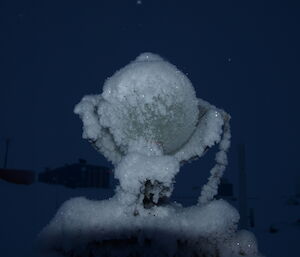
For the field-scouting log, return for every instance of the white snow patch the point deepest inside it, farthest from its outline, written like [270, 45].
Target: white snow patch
[80, 221]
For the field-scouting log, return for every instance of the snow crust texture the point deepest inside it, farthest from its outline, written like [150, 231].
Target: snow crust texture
[171, 228]
[148, 122]
[148, 99]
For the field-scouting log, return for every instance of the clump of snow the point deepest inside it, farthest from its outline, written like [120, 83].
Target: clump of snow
[243, 243]
[135, 169]
[148, 121]
[99, 136]
[148, 57]
[90, 119]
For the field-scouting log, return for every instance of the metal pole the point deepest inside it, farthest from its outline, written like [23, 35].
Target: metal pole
[243, 208]
[7, 142]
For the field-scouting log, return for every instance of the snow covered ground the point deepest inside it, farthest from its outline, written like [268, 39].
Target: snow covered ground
[283, 218]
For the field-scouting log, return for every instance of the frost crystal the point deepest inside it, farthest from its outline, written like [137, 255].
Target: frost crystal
[148, 121]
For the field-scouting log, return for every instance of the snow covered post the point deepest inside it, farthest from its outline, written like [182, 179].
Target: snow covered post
[147, 122]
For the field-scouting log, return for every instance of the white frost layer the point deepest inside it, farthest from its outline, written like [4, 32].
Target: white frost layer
[149, 99]
[99, 136]
[135, 169]
[210, 189]
[207, 133]
[147, 121]
[152, 99]
[80, 221]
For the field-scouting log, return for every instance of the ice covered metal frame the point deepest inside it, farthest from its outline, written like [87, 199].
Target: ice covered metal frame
[148, 122]
[101, 121]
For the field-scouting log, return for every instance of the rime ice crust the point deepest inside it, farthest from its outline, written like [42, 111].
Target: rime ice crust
[148, 121]
[149, 98]
[137, 168]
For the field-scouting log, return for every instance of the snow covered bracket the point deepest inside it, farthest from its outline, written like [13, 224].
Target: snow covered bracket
[147, 122]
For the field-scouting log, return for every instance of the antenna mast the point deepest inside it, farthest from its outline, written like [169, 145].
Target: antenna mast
[243, 208]
[7, 142]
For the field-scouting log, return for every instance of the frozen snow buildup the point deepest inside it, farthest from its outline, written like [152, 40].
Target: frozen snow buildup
[148, 122]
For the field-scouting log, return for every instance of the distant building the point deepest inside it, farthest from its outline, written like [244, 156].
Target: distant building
[25, 177]
[79, 174]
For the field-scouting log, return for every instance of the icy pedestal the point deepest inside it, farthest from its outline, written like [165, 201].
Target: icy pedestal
[90, 228]
[148, 122]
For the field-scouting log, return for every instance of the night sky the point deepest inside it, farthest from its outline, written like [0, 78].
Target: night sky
[242, 56]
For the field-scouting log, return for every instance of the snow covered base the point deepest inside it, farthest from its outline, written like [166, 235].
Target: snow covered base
[107, 228]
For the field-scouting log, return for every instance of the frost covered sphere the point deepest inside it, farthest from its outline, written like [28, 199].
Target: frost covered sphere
[149, 99]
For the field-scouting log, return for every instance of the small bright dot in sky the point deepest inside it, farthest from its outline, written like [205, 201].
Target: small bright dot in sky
[139, 2]
[229, 59]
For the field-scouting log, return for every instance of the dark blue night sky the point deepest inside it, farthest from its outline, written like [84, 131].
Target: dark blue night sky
[242, 56]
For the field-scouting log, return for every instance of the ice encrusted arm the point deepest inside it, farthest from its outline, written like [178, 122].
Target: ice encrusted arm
[87, 110]
[210, 189]
[99, 136]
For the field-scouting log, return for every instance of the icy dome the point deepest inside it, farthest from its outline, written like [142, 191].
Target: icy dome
[149, 93]
[150, 99]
